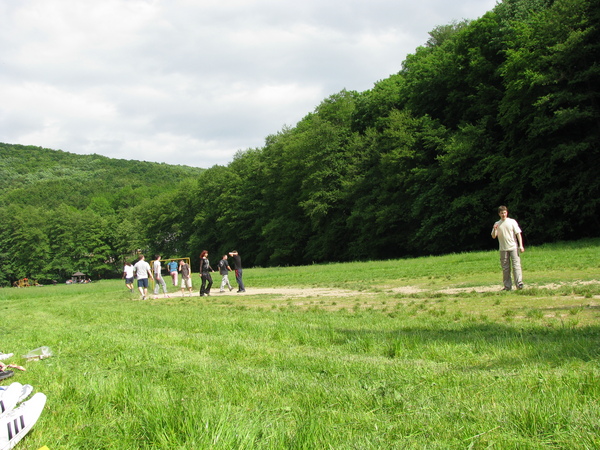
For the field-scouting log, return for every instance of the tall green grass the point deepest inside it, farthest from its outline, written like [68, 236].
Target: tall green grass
[564, 261]
[376, 369]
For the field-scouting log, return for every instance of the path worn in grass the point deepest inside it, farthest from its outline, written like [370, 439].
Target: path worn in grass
[408, 290]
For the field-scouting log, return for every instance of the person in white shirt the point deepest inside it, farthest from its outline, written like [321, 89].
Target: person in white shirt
[511, 244]
[142, 272]
[128, 275]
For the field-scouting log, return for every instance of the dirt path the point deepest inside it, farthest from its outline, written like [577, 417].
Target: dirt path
[481, 289]
[285, 292]
[329, 292]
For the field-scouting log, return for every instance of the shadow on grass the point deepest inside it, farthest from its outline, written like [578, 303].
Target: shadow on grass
[499, 344]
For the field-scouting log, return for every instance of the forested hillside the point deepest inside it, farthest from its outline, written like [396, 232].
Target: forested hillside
[500, 110]
[61, 212]
[43, 177]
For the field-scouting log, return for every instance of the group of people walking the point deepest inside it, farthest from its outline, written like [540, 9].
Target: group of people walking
[143, 272]
[224, 269]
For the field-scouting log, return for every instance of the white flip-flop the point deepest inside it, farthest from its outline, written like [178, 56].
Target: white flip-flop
[17, 423]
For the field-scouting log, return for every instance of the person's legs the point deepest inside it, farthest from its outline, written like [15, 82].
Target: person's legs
[225, 282]
[143, 287]
[163, 284]
[516, 266]
[505, 263]
[238, 278]
[186, 283]
[210, 283]
[202, 286]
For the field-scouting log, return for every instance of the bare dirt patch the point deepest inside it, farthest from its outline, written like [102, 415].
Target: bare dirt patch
[482, 289]
[291, 293]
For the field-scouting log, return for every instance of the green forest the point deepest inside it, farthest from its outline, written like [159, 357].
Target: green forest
[61, 213]
[499, 110]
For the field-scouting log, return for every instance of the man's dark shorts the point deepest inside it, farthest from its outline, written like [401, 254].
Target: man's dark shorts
[143, 282]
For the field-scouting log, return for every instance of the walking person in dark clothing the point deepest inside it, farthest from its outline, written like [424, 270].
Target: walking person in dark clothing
[237, 262]
[224, 271]
[205, 270]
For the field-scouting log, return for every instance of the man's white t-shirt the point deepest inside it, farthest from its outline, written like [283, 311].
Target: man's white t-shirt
[507, 234]
[128, 271]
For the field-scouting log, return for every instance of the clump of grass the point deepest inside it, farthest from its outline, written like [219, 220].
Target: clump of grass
[437, 312]
[509, 313]
[534, 313]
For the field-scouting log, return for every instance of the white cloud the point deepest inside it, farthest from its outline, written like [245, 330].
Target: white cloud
[193, 81]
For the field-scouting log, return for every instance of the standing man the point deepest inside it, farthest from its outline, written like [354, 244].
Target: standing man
[224, 271]
[511, 243]
[158, 279]
[237, 262]
[142, 272]
[186, 277]
[172, 266]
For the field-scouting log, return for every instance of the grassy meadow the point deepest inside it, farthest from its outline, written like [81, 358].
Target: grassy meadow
[422, 353]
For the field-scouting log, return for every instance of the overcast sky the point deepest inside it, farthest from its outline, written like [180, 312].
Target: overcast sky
[193, 81]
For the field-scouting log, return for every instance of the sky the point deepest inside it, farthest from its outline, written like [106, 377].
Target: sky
[192, 82]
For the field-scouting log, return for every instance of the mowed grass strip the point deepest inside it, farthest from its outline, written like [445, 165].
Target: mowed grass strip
[376, 369]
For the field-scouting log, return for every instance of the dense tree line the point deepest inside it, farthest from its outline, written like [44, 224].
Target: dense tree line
[500, 110]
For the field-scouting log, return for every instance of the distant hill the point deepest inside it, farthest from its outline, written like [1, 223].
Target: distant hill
[43, 177]
[61, 213]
